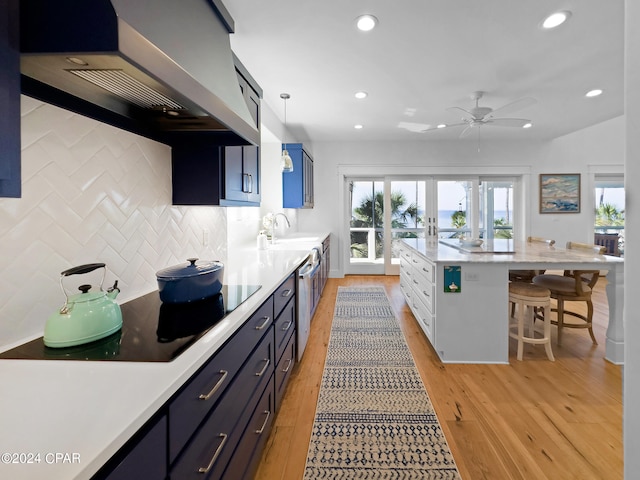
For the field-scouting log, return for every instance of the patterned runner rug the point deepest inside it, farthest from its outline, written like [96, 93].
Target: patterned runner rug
[374, 418]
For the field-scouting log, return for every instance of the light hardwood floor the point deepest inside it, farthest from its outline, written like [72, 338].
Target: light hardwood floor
[533, 419]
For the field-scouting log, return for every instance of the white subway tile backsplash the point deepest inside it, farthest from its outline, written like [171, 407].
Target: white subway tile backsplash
[91, 193]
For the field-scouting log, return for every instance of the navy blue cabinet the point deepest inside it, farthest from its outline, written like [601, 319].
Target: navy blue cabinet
[10, 174]
[297, 186]
[206, 173]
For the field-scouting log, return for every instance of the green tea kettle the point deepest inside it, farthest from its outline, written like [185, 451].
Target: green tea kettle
[86, 316]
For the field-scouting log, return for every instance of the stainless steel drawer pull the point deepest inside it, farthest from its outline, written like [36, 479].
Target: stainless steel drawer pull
[287, 292]
[215, 387]
[206, 469]
[284, 329]
[285, 370]
[266, 420]
[264, 369]
[266, 322]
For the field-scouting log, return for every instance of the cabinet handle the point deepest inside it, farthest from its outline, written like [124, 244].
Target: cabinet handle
[216, 454]
[414, 260]
[264, 369]
[266, 420]
[250, 183]
[287, 292]
[285, 370]
[425, 293]
[415, 281]
[284, 329]
[215, 387]
[267, 319]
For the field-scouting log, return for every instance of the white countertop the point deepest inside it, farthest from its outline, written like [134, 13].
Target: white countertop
[523, 254]
[88, 410]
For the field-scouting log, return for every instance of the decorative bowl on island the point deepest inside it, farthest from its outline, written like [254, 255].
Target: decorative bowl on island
[471, 242]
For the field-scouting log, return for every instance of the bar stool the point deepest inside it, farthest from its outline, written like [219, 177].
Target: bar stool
[528, 296]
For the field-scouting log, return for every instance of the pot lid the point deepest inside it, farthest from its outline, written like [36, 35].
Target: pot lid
[192, 268]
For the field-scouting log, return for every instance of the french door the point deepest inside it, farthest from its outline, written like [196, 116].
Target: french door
[384, 209]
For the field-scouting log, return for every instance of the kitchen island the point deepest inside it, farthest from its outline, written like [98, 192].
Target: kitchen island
[459, 294]
[67, 418]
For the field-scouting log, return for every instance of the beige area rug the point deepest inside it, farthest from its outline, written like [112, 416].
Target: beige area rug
[374, 418]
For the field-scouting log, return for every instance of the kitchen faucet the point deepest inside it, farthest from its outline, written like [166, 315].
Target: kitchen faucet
[274, 224]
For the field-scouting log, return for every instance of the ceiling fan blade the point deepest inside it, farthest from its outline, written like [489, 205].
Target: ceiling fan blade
[512, 107]
[430, 128]
[507, 122]
[468, 130]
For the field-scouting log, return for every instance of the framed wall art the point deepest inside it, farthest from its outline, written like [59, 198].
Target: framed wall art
[560, 193]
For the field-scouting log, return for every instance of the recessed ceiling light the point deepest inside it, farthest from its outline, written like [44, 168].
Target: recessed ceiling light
[556, 19]
[358, 127]
[593, 93]
[527, 125]
[361, 95]
[442, 125]
[366, 22]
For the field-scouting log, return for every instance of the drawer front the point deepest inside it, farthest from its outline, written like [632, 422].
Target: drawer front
[425, 318]
[423, 290]
[283, 294]
[405, 255]
[202, 392]
[214, 442]
[284, 369]
[245, 460]
[405, 287]
[423, 267]
[284, 327]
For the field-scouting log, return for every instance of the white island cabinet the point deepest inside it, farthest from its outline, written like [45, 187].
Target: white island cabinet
[459, 296]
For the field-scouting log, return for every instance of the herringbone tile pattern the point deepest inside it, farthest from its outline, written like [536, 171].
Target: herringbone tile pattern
[91, 193]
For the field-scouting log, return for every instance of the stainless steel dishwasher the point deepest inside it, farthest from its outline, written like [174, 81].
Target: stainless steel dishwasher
[307, 273]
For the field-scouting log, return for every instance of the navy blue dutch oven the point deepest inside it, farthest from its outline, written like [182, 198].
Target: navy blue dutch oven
[188, 282]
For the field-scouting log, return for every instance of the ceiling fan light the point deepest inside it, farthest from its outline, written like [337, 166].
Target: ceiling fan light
[366, 22]
[555, 19]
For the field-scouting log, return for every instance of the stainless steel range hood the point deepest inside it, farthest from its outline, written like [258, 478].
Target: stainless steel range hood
[164, 64]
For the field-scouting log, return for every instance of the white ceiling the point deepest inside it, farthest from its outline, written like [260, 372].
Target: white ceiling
[427, 55]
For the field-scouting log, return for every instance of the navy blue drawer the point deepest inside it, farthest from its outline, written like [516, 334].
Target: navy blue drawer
[247, 455]
[284, 327]
[283, 294]
[201, 393]
[214, 442]
[284, 369]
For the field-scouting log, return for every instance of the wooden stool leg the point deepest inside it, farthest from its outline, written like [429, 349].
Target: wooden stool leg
[547, 332]
[560, 312]
[590, 319]
[520, 318]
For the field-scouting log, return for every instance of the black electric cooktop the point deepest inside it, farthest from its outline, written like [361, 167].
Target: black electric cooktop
[152, 331]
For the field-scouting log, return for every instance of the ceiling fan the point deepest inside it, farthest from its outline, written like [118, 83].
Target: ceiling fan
[486, 116]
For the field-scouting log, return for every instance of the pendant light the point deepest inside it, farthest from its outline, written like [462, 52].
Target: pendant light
[285, 160]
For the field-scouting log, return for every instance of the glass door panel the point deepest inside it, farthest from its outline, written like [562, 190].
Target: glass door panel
[366, 226]
[454, 207]
[496, 209]
[609, 214]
